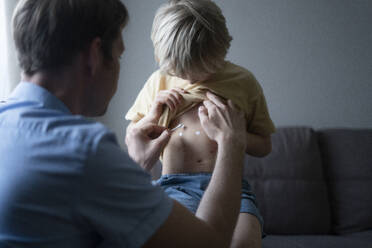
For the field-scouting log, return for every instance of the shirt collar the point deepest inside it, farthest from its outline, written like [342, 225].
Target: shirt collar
[26, 91]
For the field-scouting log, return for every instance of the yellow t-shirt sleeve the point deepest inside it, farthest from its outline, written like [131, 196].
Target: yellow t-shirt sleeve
[143, 101]
[260, 122]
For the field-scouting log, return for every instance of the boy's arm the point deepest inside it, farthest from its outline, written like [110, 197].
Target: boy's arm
[258, 145]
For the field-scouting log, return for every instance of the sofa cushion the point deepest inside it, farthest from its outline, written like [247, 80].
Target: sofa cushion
[289, 184]
[365, 236]
[318, 241]
[347, 156]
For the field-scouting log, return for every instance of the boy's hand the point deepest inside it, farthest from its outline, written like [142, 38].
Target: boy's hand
[222, 121]
[171, 98]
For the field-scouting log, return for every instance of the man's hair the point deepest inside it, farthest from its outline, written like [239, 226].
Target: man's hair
[49, 34]
[190, 38]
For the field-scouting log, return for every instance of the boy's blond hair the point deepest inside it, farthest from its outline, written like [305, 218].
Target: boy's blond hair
[190, 38]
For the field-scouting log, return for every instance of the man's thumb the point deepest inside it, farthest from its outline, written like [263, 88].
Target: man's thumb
[163, 139]
[203, 114]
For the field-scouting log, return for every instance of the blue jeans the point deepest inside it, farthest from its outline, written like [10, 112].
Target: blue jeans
[188, 189]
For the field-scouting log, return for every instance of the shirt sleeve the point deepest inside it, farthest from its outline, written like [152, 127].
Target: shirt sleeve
[144, 100]
[117, 198]
[261, 122]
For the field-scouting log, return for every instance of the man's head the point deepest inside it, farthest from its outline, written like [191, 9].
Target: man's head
[49, 34]
[190, 38]
[79, 38]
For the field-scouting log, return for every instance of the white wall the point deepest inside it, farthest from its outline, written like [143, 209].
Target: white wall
[9, 69]
[313, 58]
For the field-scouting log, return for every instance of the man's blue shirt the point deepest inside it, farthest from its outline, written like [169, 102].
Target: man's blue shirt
[65, 182]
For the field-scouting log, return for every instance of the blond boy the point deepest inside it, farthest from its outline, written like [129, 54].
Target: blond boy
[191, 42]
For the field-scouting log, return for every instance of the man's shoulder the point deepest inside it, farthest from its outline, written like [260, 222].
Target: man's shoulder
[78, 129]
[40, 123]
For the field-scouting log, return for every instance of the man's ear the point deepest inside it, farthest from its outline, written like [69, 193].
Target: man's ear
[94, 55]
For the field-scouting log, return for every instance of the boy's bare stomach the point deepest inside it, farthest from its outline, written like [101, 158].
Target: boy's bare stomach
[189, 149]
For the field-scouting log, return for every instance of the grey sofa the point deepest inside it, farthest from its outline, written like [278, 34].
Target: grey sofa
[315, 188]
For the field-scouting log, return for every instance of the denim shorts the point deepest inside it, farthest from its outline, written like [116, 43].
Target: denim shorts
[188, 190]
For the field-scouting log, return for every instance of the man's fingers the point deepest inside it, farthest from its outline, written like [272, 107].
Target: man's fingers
[151, 128]
[162, 140]
[232, 105]
[235, 108]
[203, 114]
[143, 127]
[211, 107]
[156, 131]
[216, 99]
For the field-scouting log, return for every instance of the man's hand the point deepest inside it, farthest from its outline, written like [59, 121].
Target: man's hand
[145, 141]
[222, 121]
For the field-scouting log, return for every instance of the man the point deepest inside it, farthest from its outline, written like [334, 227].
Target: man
[64, 181]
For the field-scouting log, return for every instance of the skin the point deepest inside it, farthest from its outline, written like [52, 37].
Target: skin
[181, 155]
[86, 87]
[88, 96]
[202, 157]
[215, 219]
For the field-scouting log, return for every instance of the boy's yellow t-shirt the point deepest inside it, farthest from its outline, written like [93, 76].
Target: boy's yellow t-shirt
[231, 82]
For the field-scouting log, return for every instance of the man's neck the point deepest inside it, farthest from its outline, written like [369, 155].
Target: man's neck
[65, 85]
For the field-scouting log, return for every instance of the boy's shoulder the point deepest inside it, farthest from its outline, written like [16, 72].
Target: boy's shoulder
[230, 69]
[162, 81]
[154, 77]
[237, 75]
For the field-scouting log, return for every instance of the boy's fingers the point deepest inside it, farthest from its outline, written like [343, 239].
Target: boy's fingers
[170, 105]
[179, 89]
[173, 101]
[177, 96]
